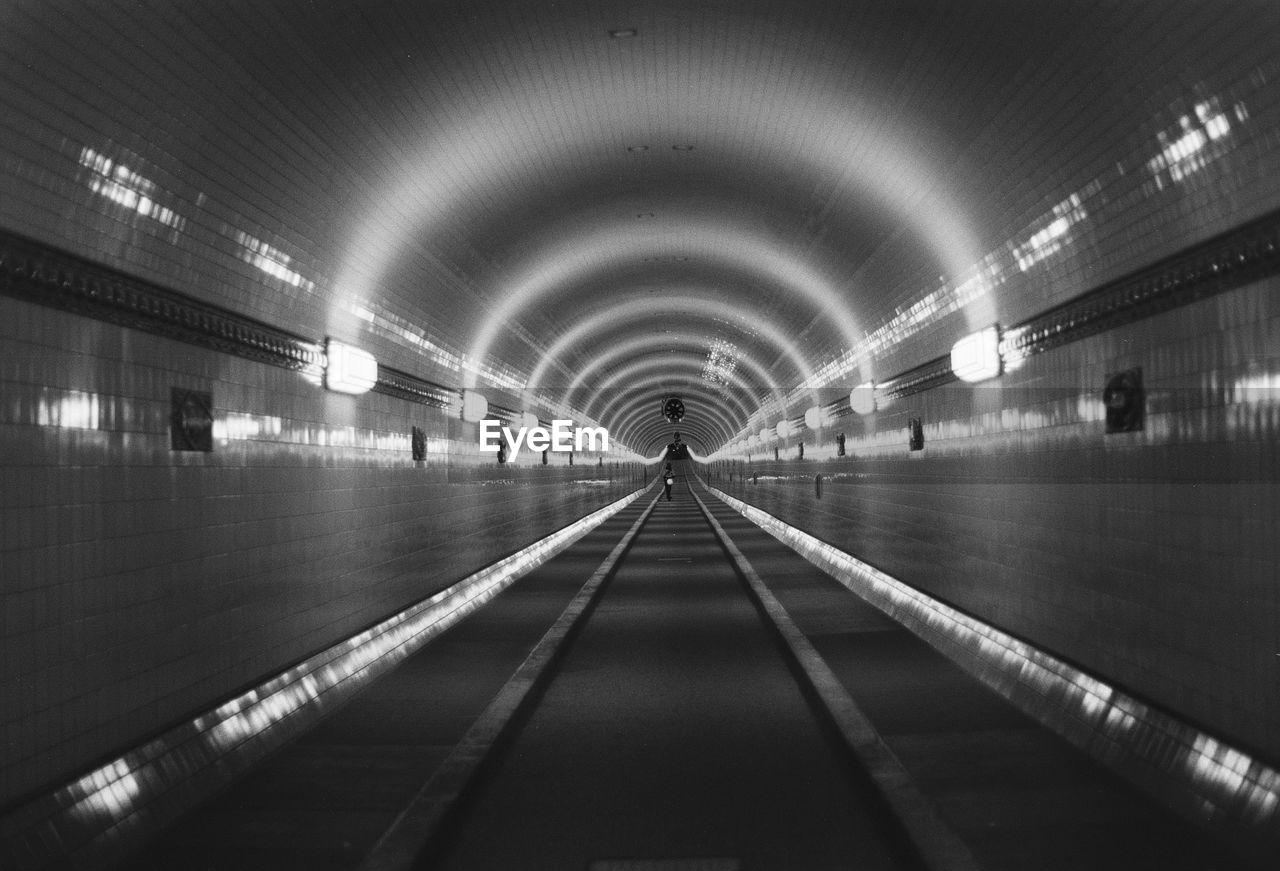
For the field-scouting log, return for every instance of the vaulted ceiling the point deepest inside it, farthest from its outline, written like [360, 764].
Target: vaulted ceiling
[599, 202]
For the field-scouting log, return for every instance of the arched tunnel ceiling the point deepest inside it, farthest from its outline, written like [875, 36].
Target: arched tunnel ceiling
[539, 188]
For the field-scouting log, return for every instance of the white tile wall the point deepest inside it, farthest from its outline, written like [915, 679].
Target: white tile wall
[141, 584]
[1150, 558]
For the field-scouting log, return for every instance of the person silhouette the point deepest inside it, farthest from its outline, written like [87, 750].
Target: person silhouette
[668, 479]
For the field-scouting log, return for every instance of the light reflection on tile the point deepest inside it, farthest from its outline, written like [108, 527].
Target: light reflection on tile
[1199, 138]
[74, 409]
[272, 261]
[1195, 144]
[120, 184]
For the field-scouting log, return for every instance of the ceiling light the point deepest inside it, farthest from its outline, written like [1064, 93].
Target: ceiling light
[643, 215]
[623, 32]
[682, 148]
[637, 148]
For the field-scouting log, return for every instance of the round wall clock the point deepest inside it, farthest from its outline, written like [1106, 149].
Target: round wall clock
[673, 409]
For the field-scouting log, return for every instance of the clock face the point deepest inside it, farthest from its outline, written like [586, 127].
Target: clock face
[673, 409]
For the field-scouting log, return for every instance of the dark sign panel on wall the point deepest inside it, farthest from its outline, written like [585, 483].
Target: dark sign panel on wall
[191, 420]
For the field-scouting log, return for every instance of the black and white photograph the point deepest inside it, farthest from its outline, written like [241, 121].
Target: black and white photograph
[601, 435]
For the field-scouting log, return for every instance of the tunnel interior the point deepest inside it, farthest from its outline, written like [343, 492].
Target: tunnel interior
[981, 293]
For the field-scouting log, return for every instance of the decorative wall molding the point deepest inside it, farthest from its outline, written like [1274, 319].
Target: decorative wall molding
[38, 273]
[1246, 254]
[35, 272]
[402, 385]
[926, 376]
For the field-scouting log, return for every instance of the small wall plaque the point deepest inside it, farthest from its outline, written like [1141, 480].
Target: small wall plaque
[190, 420]
[915, 434]
[1125, 400]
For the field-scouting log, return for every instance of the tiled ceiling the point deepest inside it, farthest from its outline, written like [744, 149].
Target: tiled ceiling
[508, 179]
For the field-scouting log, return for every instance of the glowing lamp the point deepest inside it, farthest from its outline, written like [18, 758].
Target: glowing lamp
[349, 369]
[765, 435]
[814, 418]
[784, 429]
[862, 399]
[976, 357]
[474, 406]
[529, 420]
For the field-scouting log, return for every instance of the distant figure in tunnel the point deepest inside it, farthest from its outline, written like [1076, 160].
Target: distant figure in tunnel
[668, 478]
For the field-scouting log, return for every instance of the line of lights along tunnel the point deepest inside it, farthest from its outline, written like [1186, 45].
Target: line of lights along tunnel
[976, 357]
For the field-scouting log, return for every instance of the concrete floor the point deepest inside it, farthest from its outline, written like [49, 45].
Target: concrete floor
[674, 728]
[1019, 796]
[324, 801]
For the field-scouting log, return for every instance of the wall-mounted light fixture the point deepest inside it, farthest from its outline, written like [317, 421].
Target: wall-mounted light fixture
[348, 369]
[474, 406]
[976, 357]
[862, 399]
[816, 417]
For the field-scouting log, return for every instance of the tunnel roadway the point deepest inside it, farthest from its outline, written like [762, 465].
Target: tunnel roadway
[669, 725]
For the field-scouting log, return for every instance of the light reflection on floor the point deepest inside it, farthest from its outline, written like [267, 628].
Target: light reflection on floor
[118, 800]
[1228, 783]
